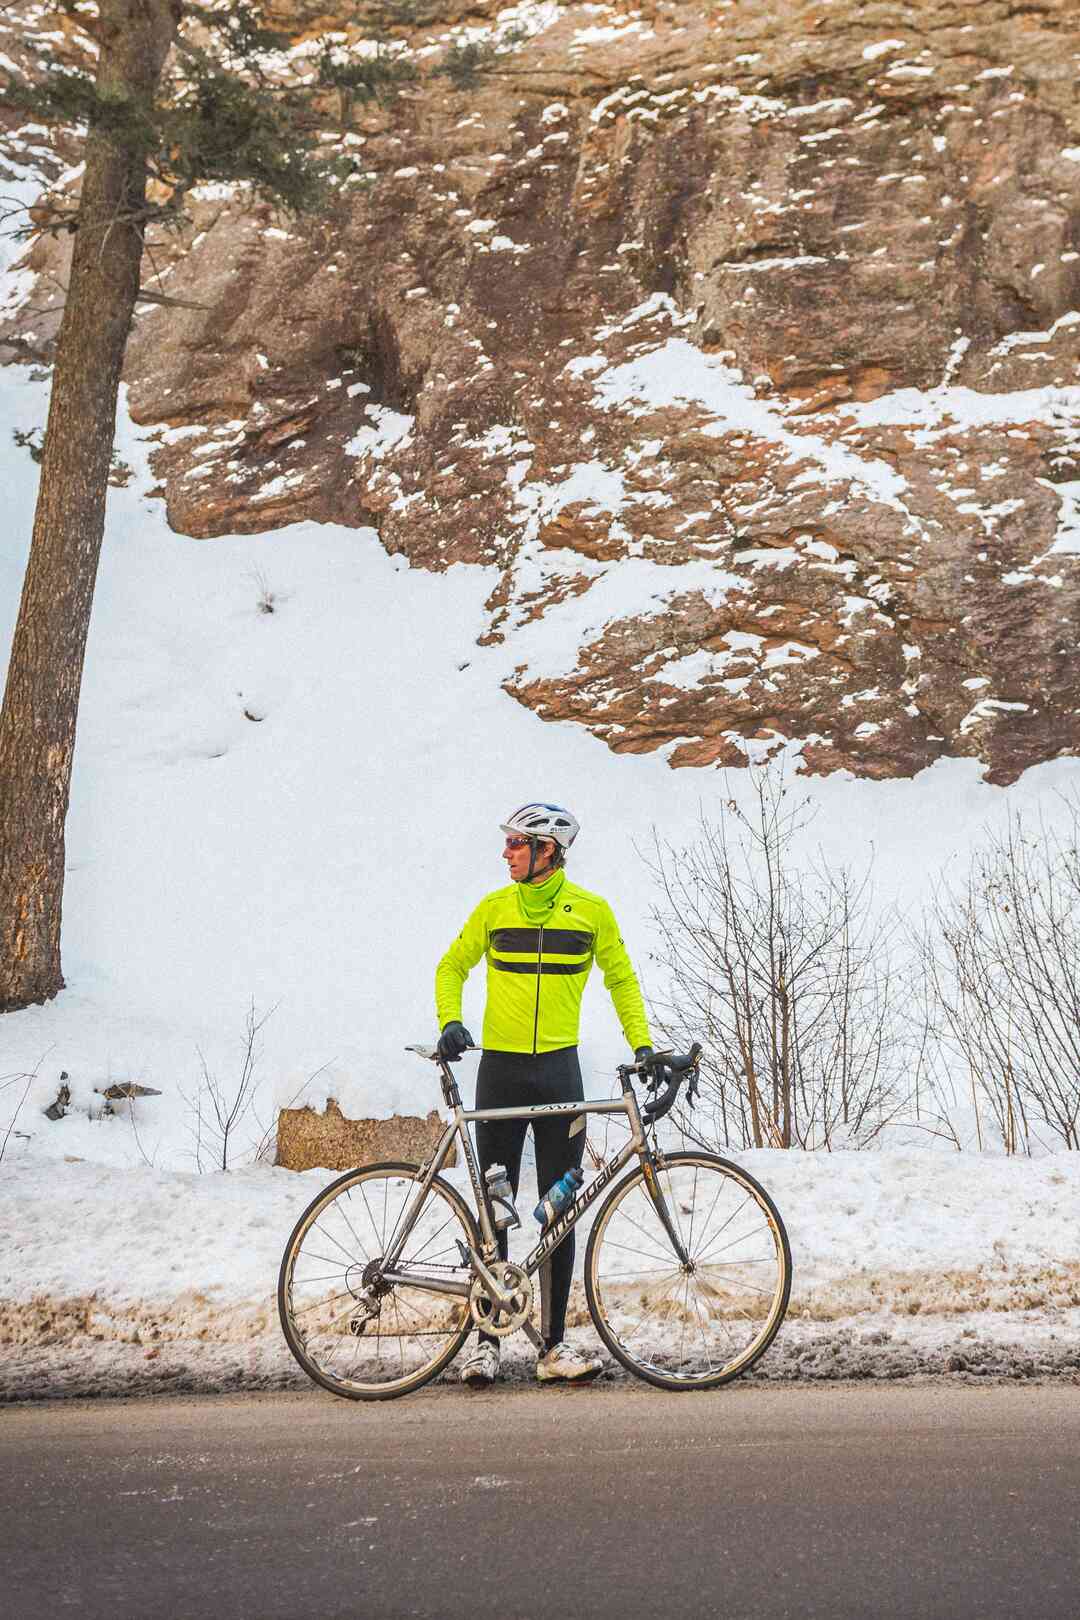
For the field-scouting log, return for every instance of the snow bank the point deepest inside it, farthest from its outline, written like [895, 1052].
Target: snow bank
[902, 1261]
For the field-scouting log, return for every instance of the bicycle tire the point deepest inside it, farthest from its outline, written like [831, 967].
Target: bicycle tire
[605, 1295]
[295, 1337]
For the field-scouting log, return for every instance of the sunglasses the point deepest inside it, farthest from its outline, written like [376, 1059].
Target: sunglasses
[517, 843]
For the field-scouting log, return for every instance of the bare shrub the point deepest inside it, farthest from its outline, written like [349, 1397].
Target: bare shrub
[1001, 951]
[27, 1078]
[150, 1160]
[786, 976]
[266, 601]
[218, 1108]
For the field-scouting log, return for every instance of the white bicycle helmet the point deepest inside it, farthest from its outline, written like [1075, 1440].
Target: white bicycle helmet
[543, 821]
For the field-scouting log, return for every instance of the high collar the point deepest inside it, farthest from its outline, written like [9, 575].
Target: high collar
[538, 899]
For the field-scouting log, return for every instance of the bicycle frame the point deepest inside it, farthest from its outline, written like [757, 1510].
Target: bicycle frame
[457, 1130]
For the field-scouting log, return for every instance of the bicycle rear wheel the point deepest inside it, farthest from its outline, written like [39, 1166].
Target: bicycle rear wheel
[351, 1332]
[698, 1325]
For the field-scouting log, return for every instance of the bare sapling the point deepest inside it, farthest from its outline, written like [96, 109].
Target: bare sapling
[218, 1108]
[785, 971]
[1001, 951]
[25, 1078]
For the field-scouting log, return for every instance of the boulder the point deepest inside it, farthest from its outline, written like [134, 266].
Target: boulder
[308, 1140]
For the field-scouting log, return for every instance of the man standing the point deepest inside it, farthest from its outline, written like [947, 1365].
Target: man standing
[540, 935]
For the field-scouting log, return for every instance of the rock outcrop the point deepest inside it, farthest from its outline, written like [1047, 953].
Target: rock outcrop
[308, 1140]
[742, 342]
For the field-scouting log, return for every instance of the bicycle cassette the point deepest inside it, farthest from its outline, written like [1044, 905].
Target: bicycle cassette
[496, 1319]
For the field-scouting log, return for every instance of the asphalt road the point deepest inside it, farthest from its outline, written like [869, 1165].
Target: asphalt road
[796, 1502]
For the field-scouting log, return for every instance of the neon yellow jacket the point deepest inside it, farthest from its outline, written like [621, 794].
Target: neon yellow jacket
[540, 941]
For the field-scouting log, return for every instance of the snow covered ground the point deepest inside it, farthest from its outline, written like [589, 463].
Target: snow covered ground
[137, 1280]
[291, 766]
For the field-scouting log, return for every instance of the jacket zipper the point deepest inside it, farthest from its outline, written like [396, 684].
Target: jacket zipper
[539, 964]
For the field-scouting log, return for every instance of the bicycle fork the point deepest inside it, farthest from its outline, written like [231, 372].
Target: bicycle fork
[648, 1160]
[659, 1203]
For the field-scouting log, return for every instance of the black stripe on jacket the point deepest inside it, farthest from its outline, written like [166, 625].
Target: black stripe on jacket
[544, 967]
[560, 941]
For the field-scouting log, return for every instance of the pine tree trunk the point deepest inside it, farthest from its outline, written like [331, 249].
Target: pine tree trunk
[41, 700]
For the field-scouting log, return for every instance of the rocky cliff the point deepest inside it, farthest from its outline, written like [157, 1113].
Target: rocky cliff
[742, 340]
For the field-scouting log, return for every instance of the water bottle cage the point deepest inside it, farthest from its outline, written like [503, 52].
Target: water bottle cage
[504, 1213]
[500, 1197]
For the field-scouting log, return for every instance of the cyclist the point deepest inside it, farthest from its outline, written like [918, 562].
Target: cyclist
[540, 935]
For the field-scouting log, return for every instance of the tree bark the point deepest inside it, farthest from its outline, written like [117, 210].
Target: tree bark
[41, 700]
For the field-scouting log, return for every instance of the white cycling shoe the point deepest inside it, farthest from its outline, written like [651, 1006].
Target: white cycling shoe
[482, 1367]
[562, 1363]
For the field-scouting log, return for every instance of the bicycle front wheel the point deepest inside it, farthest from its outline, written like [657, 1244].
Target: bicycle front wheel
[699, 1323]
[353, 1333]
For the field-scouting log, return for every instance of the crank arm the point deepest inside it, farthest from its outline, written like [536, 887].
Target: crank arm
[502, 1296]
[530, 1333]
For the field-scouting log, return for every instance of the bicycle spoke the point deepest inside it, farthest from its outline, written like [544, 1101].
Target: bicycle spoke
[643, 1324]
[639, 1228]
[413, 1335]
[345, 1294]
[682, 1336]
[702, 1259]
[646, 1254]
[754, 1288]
[737, 1210]
[712, 1206]
[645, 1271]
[340, 1317]
[401, 1347]
[349, 1224]
[351, 1258]
[370, 1216]
[693, 1201]
[420, 1252]
[404, 1303]
[701, 1329]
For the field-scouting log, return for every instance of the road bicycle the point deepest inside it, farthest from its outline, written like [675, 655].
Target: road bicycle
[687, 1268]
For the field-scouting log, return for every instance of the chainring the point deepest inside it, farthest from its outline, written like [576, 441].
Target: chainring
[500, 1320]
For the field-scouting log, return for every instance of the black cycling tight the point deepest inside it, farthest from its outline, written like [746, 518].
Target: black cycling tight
[525, 1080]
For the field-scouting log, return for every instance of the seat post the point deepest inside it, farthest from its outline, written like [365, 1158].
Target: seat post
[451, 1094]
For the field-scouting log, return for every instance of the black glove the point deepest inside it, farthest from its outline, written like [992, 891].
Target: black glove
[643, 1054]
[453, 1041]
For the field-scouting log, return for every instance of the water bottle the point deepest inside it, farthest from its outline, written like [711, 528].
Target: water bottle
[556, 1198]
[501, 1198]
